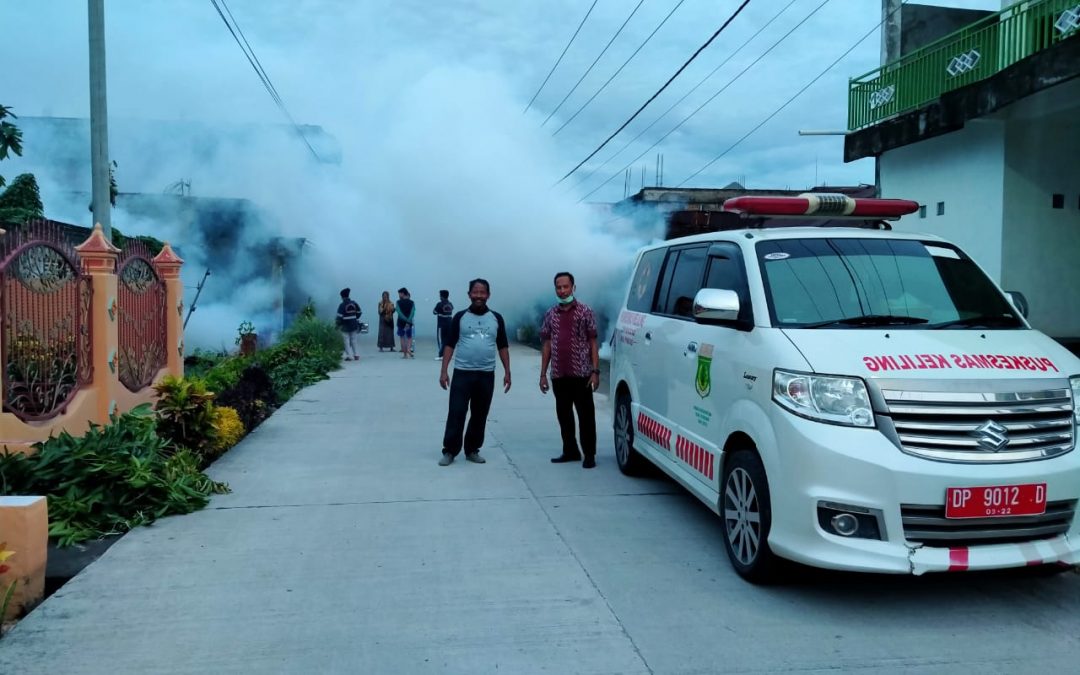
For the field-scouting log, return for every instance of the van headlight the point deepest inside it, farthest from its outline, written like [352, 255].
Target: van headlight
[826, 398]
[1074, 382]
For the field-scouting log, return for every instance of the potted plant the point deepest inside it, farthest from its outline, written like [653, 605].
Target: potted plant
[246, 338]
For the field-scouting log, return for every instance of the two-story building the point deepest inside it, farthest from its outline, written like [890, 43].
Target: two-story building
[982, 127]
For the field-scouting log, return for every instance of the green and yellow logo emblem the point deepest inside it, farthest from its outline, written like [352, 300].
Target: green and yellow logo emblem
[703, 378]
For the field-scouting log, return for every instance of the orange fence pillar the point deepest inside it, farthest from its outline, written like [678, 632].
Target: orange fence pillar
[98, 258]
[24, 539]
[168, 264]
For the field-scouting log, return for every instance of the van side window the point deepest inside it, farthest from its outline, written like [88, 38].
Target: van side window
[677, 292]
[726, 272]
[643, 287]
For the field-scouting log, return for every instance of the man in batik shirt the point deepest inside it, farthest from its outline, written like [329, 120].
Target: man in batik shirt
[569, 347]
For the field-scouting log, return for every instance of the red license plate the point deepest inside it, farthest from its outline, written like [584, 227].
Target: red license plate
[992, 501]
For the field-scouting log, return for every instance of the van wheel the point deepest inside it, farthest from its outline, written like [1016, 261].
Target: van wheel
[630, 462]
[747, 514]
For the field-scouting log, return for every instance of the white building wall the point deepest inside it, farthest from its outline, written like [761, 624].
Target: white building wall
[963, 171]
[1041, 244]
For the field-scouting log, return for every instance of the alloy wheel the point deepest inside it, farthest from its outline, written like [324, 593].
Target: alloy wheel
[742, 516]
[623, 433]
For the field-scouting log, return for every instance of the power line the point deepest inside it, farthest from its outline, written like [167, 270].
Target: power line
[686, 95]
[615, 74]
[593, 64]
[249, 50]
[797, 95]
[658, 91]
[249, 53]
[559, 60]
[722, 89]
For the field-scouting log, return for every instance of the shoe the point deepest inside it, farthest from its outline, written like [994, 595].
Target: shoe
[475, 458]
[438, 358]
[563, 459]
[589, 463]
[446, 460]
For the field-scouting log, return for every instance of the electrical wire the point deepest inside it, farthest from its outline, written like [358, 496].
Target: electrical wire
[262, 74]
[559, 60]
[684, 97]
[658, 91]
[616, 73]
[593, 64]
[797, 94]
[720, 91]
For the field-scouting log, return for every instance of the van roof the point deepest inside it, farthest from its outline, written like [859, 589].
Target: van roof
[769, 234]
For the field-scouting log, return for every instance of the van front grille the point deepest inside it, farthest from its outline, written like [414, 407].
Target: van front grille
[983, 427]
[928, 525]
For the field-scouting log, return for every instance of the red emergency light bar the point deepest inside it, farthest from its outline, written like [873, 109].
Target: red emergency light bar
[821, 204]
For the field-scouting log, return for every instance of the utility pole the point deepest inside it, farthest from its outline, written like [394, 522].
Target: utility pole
[890, 30]
[99, 120]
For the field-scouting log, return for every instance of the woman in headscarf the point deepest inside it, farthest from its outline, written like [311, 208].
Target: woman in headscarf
[386, 322]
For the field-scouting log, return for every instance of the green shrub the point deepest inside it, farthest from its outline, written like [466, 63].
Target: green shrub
[313, 334]
[200, 362]
[116, 477]
[185, 413]
[309, 349]
[252, 397]
[225, 374]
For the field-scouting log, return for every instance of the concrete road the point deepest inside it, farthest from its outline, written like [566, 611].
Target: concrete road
[345, 548]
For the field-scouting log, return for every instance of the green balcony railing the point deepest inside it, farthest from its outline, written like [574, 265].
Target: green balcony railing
[972, 53]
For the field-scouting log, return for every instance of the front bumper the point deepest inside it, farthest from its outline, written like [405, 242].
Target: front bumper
[813, 463]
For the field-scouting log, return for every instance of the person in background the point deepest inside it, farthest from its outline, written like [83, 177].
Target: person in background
[406, 310]
[386, 322]
[475, 337]
[444, 312]
[348, 321]
[568, 345]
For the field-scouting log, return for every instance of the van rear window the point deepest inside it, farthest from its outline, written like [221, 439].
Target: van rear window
[643, 286]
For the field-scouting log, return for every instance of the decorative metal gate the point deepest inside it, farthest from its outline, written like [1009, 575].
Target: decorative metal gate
[141, 317]
[47, 339]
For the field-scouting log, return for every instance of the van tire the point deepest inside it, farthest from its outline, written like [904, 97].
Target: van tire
[746, 511]
[630, 462]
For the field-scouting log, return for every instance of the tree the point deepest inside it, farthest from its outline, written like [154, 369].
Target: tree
[10, 137]
[21, 201]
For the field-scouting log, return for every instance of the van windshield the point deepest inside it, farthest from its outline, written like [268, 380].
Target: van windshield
[870, 283]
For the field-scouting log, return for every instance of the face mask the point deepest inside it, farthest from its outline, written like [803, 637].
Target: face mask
[565, 301]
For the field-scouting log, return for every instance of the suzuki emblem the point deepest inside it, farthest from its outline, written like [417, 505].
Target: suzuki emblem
[991, 436]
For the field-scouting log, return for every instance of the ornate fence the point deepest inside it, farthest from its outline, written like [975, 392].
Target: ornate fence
[46, 322]
[84, 331]
[141, 318]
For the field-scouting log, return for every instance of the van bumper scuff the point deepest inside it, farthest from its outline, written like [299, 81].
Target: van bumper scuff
[1061, 550]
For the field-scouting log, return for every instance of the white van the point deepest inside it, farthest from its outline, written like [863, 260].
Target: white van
[852, 398]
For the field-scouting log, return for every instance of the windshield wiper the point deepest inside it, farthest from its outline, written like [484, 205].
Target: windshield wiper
[869, 320]
[982, 321]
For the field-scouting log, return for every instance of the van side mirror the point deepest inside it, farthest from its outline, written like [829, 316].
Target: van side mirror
[713, 304]
[1019, 302]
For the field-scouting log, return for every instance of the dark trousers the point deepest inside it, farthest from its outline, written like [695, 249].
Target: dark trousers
[470, 392]
[441, 328]
[571, 393]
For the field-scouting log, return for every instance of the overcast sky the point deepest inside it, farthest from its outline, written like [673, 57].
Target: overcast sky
[426, 100]
[337, 62]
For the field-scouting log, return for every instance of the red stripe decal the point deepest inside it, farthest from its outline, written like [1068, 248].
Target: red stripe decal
[958, 559]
